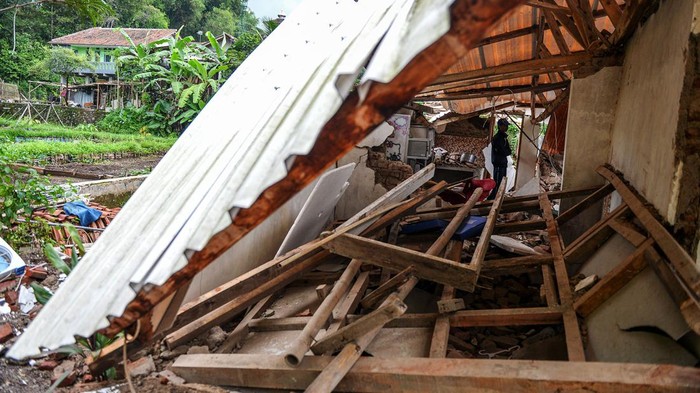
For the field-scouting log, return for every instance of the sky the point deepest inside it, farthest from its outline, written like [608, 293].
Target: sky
[270, 8]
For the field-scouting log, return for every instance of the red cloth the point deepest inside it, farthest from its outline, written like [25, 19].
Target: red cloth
[486, 184]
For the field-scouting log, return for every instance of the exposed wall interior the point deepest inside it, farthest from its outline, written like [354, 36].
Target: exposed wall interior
[590, 119]
[645, 131]
[254, 249]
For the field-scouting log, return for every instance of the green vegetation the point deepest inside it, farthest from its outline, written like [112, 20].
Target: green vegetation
[30, 142]
[174, 95]
[21, 189]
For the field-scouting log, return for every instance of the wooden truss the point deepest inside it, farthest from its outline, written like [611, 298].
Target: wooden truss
[581, 49]
[394, 270]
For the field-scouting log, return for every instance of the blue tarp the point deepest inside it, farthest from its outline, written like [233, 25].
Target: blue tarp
[471, 227]
[87, 215]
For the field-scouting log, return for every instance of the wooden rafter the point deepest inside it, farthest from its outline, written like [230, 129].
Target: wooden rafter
[469, 115]
[613, 10]
[556, 32]
[541, 64]
[546, 64]
[547, 6]
[498, 91]
[552, 106]
[630, 18]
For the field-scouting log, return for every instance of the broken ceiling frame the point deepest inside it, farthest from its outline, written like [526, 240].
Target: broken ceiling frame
[207, 193]
[567, 38]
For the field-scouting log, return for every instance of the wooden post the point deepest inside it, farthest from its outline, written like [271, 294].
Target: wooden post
[297, 349]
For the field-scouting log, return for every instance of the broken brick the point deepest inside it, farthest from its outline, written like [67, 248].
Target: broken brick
[47, 365]
[5, 332]
[37, 272]
[11, 297]
[7, 285]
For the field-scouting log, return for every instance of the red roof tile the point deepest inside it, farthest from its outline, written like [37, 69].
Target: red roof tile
[99, 36]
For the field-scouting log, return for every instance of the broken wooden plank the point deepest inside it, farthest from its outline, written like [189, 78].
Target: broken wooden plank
[574, 343]
[386, 255]
[613, 281]
[517, 262]
[387, 287]
[389, 310]
[689, 307]
[372, 374]
[350, 303]
[484, 238]
[549, 286]
[682, 263]
[396, 194]
[241, 331]
[441, 332]
[463, 212]
[593, 238]
[584, 204]
[250, 290]
[405, 209]
[521, 226]
[278, 324]
[506, 317]
[296, 349]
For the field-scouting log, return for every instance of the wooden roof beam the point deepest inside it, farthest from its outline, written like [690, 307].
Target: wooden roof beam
[552, 106]
[631, 17]
[542, 64]
[527, 31]
[469, 115]
[497, 91]
[613, 10]
[547, 6]
[521, 70]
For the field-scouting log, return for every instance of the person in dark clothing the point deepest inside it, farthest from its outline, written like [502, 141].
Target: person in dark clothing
[500, 150]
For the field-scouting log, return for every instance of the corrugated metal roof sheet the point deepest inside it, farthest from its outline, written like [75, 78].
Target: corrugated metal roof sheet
[233, 151]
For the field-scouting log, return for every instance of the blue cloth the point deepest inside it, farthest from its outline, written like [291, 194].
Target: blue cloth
[87, 215]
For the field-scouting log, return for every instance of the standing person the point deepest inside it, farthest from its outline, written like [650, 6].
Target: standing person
[500, 150]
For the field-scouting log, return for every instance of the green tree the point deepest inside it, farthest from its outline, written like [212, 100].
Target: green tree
[150, 17]
[219, 21]
[244, 45]
[268, 26]
[177, 77]
[96, 10]
[247, 22]
[184, 13]
[64, 62]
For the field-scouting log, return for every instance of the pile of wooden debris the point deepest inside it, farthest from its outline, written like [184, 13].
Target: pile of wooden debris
[373, 305]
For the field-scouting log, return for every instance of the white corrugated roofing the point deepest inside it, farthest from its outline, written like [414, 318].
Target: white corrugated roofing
[271, 109]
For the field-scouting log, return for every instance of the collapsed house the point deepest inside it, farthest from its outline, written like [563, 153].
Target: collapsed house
[226, 228]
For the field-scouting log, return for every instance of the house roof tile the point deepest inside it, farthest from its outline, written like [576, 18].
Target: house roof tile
[99, 36]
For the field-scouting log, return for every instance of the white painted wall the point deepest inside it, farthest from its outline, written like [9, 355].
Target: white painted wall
[646, 121]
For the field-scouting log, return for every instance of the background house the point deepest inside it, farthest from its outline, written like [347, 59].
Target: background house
[97, 45]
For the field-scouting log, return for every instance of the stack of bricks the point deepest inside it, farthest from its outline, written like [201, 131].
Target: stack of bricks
[387, 173]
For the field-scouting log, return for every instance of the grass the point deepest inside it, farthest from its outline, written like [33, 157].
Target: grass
[22, 142]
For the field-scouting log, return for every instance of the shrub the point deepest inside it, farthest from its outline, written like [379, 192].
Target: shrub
[128, 120]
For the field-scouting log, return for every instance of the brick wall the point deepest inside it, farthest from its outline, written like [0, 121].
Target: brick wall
[387, 173]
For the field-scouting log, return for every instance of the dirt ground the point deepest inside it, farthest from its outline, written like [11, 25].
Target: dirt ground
[120, 167]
